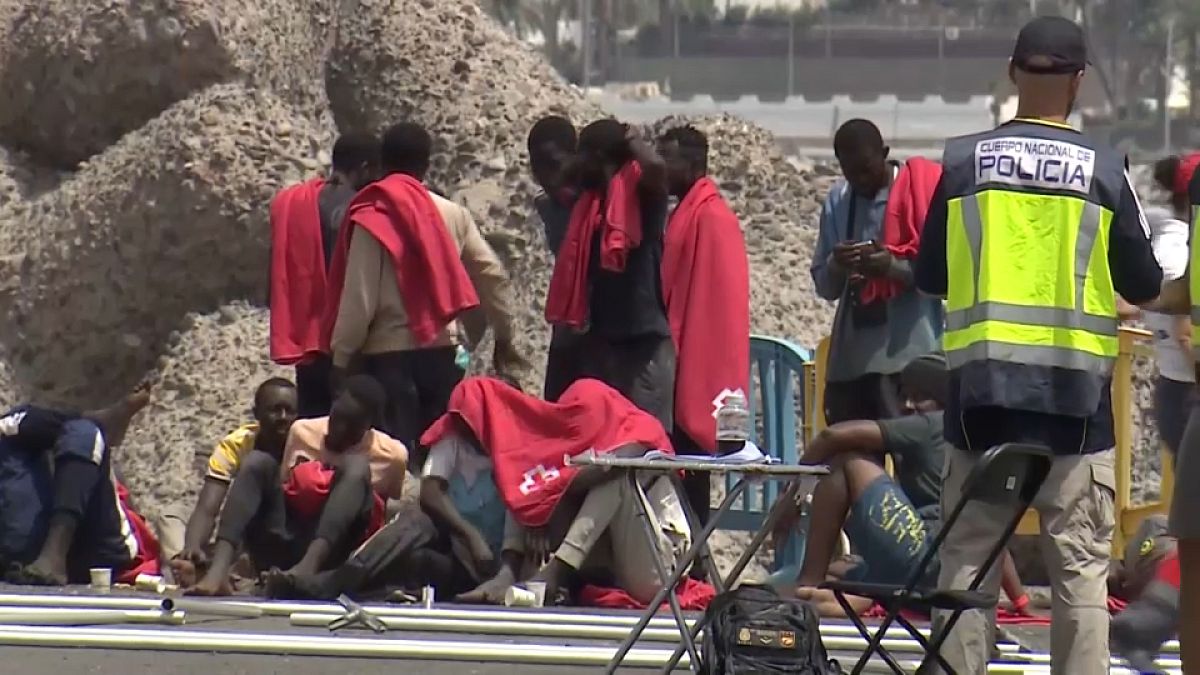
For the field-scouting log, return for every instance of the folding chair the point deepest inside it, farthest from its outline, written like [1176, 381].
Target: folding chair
[1007, 475]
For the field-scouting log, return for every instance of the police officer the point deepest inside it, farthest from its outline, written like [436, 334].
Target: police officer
[1033, 231]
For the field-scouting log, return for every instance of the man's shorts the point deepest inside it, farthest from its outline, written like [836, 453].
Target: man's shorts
[887, 532]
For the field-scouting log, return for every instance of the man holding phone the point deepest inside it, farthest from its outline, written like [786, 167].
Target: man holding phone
[871, 342]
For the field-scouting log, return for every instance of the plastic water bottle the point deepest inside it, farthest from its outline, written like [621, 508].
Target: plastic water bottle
[733, 422]
[462, 358]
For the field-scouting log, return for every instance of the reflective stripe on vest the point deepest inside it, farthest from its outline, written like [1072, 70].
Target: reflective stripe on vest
[1069, 322]
[1194, 278]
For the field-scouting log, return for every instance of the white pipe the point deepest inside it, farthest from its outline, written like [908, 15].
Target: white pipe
[313, 645]
[210, 608]
[26, 616]
[281, 608]
[483, 627]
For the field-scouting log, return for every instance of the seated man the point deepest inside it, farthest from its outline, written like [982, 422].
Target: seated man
[460, 495]
[891, 524]
[286, 509]
[276, 404]
[62, 512]
[1148, 579]
[576, 516]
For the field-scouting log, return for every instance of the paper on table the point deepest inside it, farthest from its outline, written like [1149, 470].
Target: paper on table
[749, 454]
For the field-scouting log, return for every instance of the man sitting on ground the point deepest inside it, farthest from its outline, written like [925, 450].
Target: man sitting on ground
[63, 513]
[290, 513]
[459, 493]
[583, 515]
[275, 408]
[891, 524]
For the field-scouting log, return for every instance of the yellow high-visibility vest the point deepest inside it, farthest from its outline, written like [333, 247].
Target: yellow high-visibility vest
[1031, 312]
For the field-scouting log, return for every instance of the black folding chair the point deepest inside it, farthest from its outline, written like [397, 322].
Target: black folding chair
[1007, 475]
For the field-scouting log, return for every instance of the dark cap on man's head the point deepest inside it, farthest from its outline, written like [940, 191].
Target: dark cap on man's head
[1051, 45]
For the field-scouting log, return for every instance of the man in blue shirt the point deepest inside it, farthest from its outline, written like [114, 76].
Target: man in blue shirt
[871, 342]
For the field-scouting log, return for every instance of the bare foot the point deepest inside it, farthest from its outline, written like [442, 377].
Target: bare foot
[114, 420]
[184, 571]
[210, 588]
[37, 573]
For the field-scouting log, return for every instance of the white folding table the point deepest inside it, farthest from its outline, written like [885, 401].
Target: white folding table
[748, 473]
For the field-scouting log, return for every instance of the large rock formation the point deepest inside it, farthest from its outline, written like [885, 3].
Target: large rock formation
[170, 219]
[77, 76]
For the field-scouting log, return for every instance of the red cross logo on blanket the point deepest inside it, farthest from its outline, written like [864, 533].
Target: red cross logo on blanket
[536, 478]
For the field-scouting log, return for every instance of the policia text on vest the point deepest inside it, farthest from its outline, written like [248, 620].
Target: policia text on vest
[1031, 235]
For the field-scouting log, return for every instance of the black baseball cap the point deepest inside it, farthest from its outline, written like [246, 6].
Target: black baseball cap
[1051, 45]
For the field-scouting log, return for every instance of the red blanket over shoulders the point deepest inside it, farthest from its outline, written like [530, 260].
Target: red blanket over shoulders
[297, 273]
[620, 226]
[527, 438]
[706, 288]
[399, 211]
[904, 218]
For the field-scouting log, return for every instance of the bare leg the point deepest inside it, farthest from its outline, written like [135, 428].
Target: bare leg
[849, 476]
[114, 420]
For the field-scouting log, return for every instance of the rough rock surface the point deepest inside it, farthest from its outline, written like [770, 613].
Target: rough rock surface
[77, 76]
[169, 220]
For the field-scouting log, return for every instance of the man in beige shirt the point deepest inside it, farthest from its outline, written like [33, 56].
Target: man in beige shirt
[263, 508]
[372, 319]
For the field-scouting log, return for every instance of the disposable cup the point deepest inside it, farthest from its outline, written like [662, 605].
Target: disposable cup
[538, 588]
[516, 596]
[101, 578]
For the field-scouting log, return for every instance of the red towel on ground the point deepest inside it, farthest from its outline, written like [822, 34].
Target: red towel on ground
[307, 489]
[1183, 174]
[620, 228]
[146, 561]
[692, 594]
[706, 288]
[297, 273]
[400, 213]
[527, 438]
[903, 219]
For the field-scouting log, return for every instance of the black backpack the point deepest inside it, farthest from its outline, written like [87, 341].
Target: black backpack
[753, 630]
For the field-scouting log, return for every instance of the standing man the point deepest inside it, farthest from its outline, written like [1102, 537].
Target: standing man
[404, 324]
[552, 144]
[1183, 297]
[304, 228]
[607, 280]
[706, 287]
[872, 339]
[1032, 232]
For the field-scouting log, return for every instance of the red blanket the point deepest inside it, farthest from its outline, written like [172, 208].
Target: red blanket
[903, 219]
[692, 595]
[527, 438]
[400, 213]
[146, 561]
[1185, 171]
[297, 273]
[706, 287]
[620, 226]
[307, 489]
